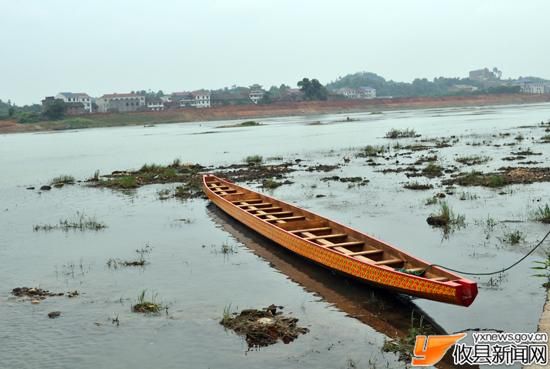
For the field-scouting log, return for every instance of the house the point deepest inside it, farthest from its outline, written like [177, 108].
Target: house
[155, 105]
[195, 99]
[357, 93]
[535, 88]
[366, 92]
[121, 103]
[77, 103]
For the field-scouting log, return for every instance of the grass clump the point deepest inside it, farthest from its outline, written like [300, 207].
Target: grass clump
[446, 217]
[63, 179]
[400, 133]
[543, 270]
[81, 222]
[473, 159]
[145, 306]
[404, 346]
[542, 214]
[545, 139]
[475, 178]
[373, 150]
[417, 186]
[253, 160]
[271, 184]
[432, 170]
[140, 261]
[513, 238]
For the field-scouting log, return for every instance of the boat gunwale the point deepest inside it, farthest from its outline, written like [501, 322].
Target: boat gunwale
[449, 283]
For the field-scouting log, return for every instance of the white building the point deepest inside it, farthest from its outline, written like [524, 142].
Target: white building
[195, 99]
[79, 97]
[538, 88]
[202, 98]
[366, 92]
[359, 93]
[120, 103]
[156, 105]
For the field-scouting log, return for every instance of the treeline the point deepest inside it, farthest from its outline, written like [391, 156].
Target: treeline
[22, 114]
[441, 86]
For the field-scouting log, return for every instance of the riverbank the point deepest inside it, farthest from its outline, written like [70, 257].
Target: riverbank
[264, 111]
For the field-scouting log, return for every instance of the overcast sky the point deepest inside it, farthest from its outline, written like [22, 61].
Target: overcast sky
[105, 46]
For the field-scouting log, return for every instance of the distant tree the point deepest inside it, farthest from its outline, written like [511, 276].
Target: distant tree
[497, 72]
[55, 110]
[313, 90]
[267, 98]
[11, 111]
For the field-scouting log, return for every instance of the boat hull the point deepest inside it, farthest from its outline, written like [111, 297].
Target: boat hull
[459, 291]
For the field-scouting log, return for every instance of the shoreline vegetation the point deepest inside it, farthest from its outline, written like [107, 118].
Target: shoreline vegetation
[263, 111]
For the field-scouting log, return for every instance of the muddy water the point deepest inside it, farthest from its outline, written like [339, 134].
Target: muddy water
[191, 274]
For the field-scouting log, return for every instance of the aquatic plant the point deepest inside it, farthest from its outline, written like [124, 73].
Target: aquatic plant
[472, 159]
[81, 222]
[542, 214]
[63, 179]
[373, 150]
[271, 184]
[446, 218]
[417, 186]
[543, 266]
[432, 170]
[403, 346]
[513, 238]
[253, 160]
[147, 306]
[400, 133]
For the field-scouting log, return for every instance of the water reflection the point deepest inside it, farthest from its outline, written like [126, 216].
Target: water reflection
[386, 312]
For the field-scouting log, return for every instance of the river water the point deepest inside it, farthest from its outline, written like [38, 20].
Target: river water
[190, 274]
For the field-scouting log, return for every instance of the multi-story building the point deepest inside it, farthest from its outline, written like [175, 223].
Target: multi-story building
[121, 103]
[195, 99]
[73, 101]
[534, 88]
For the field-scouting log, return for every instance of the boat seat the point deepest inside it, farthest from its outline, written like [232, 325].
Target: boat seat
[439, 279]
[231, 193]
[253, 204]
[287, 218]
[326, 236]
[311, 229]
[344, 244]
[263, 213]
[366, 252]
[394, 261]
[255, 207]
[249, 201]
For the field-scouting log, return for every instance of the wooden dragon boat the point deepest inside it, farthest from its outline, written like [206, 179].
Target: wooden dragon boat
[338, 247]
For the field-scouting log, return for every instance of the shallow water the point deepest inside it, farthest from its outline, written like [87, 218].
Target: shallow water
[196, 280]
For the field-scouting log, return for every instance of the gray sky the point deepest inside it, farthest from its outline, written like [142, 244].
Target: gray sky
[106, 46]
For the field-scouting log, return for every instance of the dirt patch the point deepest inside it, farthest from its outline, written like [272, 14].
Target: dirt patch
[263, 327]
[38, 294]
[360, 181]
[505, 176]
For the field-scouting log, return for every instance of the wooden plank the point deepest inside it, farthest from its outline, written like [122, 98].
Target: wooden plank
[288, 218]
[366, 252]
[326, 236]
[309, 223]
[311, 229]
[247, 200]
[394, 261]
[439, 279]
[250, 203]
[275, 213]
[344, 244]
